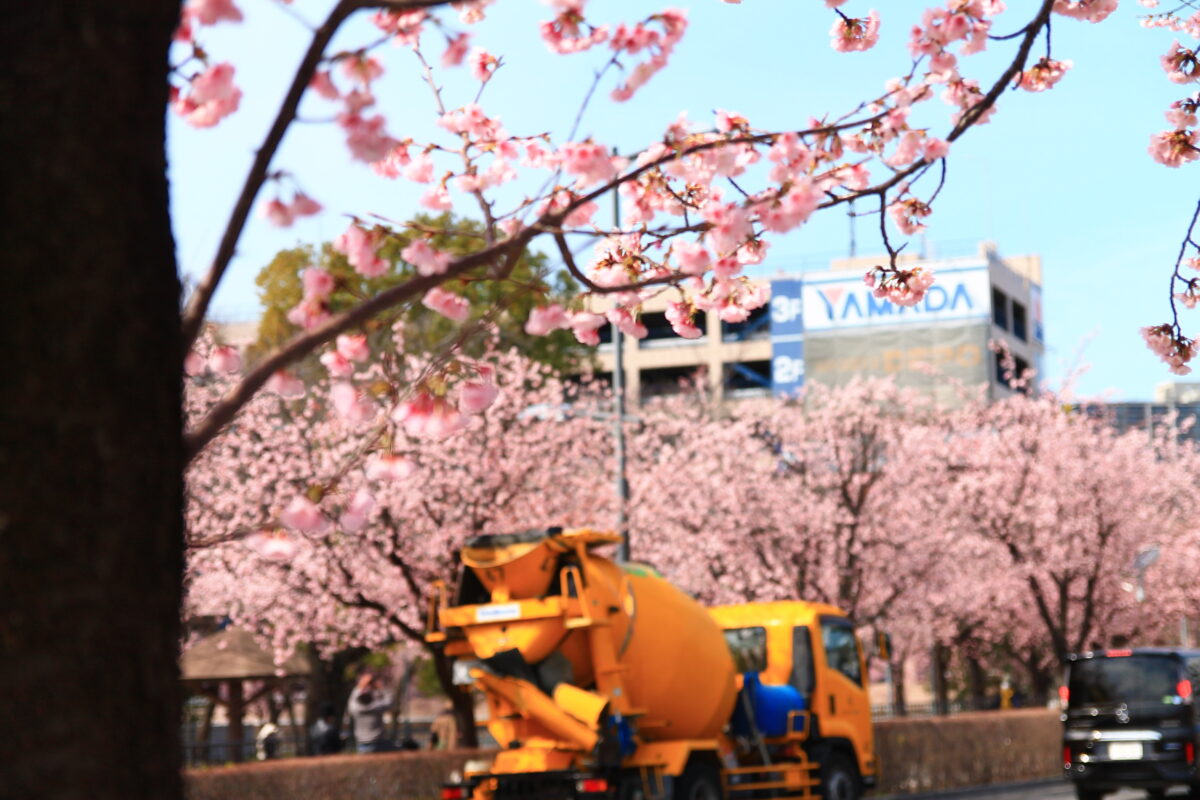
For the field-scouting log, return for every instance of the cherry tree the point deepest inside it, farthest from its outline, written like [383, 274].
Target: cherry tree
[1056, 505]
[296, 535]
[832, 499]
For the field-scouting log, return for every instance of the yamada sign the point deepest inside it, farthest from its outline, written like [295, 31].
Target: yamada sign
[842, 300]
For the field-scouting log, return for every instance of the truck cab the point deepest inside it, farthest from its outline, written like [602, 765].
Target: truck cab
[1129, 720]
[813, 648]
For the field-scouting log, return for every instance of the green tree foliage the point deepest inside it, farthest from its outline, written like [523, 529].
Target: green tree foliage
[531, 283]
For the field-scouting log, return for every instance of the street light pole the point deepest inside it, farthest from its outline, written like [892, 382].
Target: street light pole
[618, 388]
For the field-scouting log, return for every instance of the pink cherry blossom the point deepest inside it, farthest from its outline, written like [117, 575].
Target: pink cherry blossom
[389, 467]
[304, 515]
[211, 98]
[692, 257]
[337, 364]
[1087, 10]
[1175, 350]
[420, 170]
[427, 260]
[431, 417]
[351, 404]
[437, 198]
[309, 313]
[849, 34]
[682, 319]
[210, 12]
[304, 206]
[483, 64]
[360, 246]
[476, 396]
[285, 385]
[456, 50]
[448, 304]
[274, 545]
[194, 364]
[353, 346]
[565, 33]
[626, 322]
[357, 512]
[907, 213]
[586, 327]
[362, 69]
[589, 161]
[366, 138]
[1174, 148]
[934, 148]
[225, 359]
[1043, 75]
[318, 284]
[322, 84]
[544, 319]
[277, 213]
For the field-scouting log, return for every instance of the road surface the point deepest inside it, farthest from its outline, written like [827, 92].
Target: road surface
[1043, 791]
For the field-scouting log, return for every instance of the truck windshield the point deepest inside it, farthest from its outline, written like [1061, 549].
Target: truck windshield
[749, 648]
[1130, 680]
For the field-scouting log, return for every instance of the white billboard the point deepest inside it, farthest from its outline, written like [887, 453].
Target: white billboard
[839, 299]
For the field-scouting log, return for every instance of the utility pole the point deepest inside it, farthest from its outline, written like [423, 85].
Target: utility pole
[618, 388]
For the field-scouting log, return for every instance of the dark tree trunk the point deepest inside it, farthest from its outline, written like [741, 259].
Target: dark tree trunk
[899, 700]
[978, 683]
[941, 691]
[327, 684]
[204, 739]
[460, 698]
[236, 708]
[90, 454]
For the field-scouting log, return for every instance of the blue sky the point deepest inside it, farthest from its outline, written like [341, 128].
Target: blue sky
[1063, 174]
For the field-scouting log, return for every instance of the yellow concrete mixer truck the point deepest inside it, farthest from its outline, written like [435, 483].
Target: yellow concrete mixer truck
[605, 682]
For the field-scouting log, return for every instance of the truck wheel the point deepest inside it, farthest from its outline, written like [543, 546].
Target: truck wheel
[839, 778]
[699, 781]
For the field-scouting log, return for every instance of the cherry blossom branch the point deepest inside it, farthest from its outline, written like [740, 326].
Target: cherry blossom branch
[223, 411]
[1188, 240]
[484, 206]
[201, 298]
[1018, 64]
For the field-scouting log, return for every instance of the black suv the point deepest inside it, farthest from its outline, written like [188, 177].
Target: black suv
[1129, 719]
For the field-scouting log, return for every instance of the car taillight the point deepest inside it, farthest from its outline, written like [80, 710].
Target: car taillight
[1064, 695]
[1184, 689]
[591, 785]
[453, 793]
[1189, 752]
[1066, 755]
[1118, 653]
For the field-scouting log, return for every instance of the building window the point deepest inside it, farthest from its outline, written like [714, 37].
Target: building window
[1003, 377]
[748, 377]
[667, 381]
[999, 308]
[657, 326]
[756, 326]
[1018, 327]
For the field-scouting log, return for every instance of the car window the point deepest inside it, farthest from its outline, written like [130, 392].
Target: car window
[803, 675]
[841, 649]
[749, 648]
[1129, 680]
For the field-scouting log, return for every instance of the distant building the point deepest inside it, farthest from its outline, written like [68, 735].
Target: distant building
[828, 327]
[1176, 408]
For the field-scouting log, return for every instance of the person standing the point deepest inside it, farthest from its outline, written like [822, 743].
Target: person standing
[368, 703]
[443, 734]
[326, 733]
